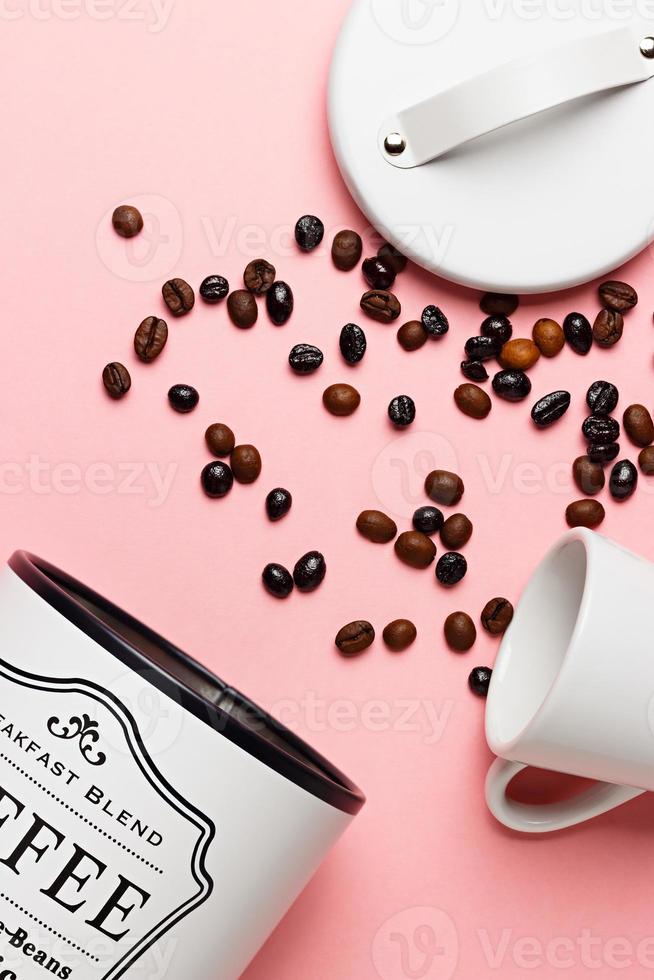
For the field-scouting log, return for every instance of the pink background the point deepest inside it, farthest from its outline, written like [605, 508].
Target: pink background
[215, 125]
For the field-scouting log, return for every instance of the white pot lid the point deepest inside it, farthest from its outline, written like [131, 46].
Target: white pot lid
[507, 145]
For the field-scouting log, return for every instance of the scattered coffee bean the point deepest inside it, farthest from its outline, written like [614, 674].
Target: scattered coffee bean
[602, 453]
[347, 248]
[451, 568]
[392, 257]
[352, 343]
[178, 296]
[623, 480]
[551, 408]
[213, 289]
[278, 504]
[601, 429]
[444, 488]
[381, 305]
[259, 276]
[341, 399]
[474, 371]
[399, 635]
[428, 520]
[496, 616]
[602, 398]
[415, 549]
[479, 681]
[499, 304]
[638, 425]
[497, 327]
[355, 638]
[220, 439]
[277, 580]
[377, 273]
[402, 411]
[578, 332]
[456, 532]
[150, 338]
[127, 221]
[460, 632]
[242, 308]
[309, 571]
[280, 303]
[513, 386]
[608, 328]
[217, 479]
[376, 527]
[246, 463]
[435, 322]
[116, 379]
[520, 354]
[646, 461]
[472, 401]
[309, 232]
[548, 336]
[585, 513]
[412, 335]
[183, 398]
[618, 296]
[305, 358]
[482, 348]
[588, 476]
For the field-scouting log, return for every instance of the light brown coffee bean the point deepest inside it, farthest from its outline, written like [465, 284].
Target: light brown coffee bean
[242, 308]
[549, 337]
[519, 354]
[444, 488]
[589, 476]
[178, 296]
[646, 461]
[585, 513]
[638, 425]
[150, 338]
[460, 632]
[415, 549]
[472, 401]
[496, 616]
[456, 532]
[608, 328]
[399, 635]
[376, 527]
[116, 379]
[381, 305]
[347, 249]
[412, 335]
[127, 221]
[618, 296]
[341, 399]
[355, 638]
[220, 439]
[245, 462]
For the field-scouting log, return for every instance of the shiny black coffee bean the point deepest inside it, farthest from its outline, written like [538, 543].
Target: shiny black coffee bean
[578, 332]
[309, 232]
[217, 479]
[601, 429]
[435, 322]
[214, 289]
[392, 257]
[603, 452]
[183, 398]
[499, 304]
[451, 568]
[428, 520]
[550, 408]
[474, 371]
[309, 571]
[277, 580]
[482, 348]
[623, 480]
[602, 398]
[278, 503]
[513, 386]
[479, 681]
[377, 273]
[352, 343]
[116, 379]
[498, 327]
[402, 411]
[305, 358]
[279, 302]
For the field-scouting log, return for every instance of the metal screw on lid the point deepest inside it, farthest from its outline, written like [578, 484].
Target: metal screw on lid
[394, 144]
[647, 47]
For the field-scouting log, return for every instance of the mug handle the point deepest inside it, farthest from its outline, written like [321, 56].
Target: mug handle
[543, 818]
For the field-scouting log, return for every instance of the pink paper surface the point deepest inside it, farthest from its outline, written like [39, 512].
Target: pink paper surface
[211, 118]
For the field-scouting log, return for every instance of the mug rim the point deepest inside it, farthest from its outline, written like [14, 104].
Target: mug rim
[288, 755]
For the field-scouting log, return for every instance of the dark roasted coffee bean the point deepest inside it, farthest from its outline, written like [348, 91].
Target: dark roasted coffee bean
[513, 386]
[548, 336]
[474, 371]
[402, 411]
[415, 549]
[551, 408]
[309, 571]
[608, 328]
[352, 343]
[499, 304]
[392, 257]
[638, 425]
[116, 379]
[479, 681]
[428, 520]
[381, 305]
[127, 221]
[376, 527]
[412, 335]
[435, 322]
[355, 638]
[399, 635]
[482, 348]
[341, 399]
[519, 354]
[602, 453]
[309, 232]
[183, 398]
[278, 581]
[618, 296]
[601, 429]
[278, 504]
[220, 439]
[497, 327]
[377, 273]
[460, 632]
[585, 513]
[347, 248]
[213, 289]
[588, 476]
[602, 398]
[178, 296]
[472, 401]
[444, 488]
[280, 303]
[496, 616]
[646, 461]
[242, 308]
[451, 568]
[217, 479]
[259, 276]
[623, 480]
[246, 463]
[456, 532]
[305, 358]
[150, 338]
[578, 332]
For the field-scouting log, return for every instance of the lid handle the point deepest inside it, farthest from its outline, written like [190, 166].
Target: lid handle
[515, 90]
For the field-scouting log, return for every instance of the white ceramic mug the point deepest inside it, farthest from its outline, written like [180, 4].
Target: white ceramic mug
[572, 689]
